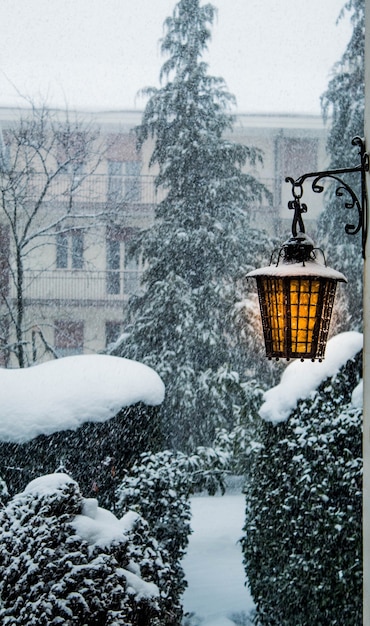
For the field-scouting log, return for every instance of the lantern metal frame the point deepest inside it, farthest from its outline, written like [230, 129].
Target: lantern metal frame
[296, 295]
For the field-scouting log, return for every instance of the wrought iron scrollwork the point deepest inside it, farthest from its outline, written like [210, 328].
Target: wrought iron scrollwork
[354, 201]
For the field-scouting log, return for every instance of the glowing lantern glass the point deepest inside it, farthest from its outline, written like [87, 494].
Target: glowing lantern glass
[296, 299]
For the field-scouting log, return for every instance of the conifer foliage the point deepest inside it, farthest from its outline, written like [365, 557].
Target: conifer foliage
[159, 488]
[3, 491]
[114, 446]
[302, 548]
[63, 560]
[201, 242]
[343, 103]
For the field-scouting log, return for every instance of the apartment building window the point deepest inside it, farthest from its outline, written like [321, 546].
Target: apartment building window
[77, 250]
[113, 330]
[123, 272]
[133, 181]
[68, 337]
[124, 181]
[113, 266]
[62, 250]
[115, 182]
[131, 275]
[124, 165]
[70, 250]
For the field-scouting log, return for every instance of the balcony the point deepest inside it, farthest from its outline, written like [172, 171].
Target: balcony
[93, 189]
[79, 287]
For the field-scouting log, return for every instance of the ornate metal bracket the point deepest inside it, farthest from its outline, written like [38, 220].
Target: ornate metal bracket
[361, 204]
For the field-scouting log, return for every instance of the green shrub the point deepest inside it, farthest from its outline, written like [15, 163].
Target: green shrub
[302, 547]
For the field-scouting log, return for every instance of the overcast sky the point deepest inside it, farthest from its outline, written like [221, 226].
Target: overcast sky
[275, 55]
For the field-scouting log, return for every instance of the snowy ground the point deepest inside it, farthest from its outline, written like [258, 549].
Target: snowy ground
[213, 564]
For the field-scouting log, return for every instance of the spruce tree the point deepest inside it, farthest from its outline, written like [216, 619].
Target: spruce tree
[343, 103]
[201, 243]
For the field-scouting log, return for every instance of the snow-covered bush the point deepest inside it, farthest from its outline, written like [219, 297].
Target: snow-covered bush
[88, 415]
[64, 560]
[302, 547]
[159, 488]
[96, 455]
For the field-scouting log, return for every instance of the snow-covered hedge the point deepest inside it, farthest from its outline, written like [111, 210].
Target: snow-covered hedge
[64, 560]
[90, 416]
[97, 455]
[302, 547]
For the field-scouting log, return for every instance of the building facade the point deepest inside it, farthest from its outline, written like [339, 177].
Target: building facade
[77, 276]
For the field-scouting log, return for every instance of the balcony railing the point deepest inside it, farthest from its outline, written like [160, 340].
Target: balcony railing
[80, 286]
[95, 188]
[117, 189]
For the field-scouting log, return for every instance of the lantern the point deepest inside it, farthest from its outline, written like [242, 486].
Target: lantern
[297, 294]
[296, 299]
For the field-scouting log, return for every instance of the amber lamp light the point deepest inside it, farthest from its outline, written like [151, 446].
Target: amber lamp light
[296, 298]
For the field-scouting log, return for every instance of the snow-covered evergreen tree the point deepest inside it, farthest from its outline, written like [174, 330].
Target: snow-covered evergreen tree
[63, 560]
[241, 443]
[159, 489]
[344, 103]
[201, 243]
[302, 547]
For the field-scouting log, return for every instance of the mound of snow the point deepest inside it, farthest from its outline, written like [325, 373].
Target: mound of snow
[300, 379]
[48, 484]
[67, 392]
